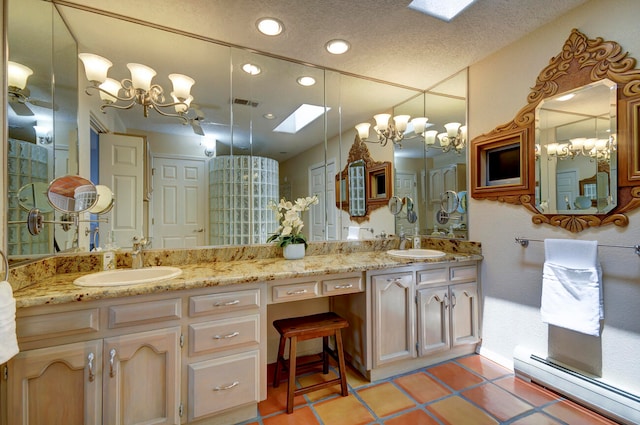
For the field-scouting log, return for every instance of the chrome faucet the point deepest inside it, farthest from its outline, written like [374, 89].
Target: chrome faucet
[137, 253]
[403, 240]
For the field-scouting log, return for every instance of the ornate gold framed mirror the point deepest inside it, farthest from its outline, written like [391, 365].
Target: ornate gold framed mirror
[520, 162]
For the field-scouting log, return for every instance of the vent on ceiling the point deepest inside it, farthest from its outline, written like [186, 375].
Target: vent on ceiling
[246, 102]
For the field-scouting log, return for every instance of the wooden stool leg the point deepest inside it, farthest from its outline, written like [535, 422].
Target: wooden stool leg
[291, 385]
[279, 361]
[341, 364]
[325, 354]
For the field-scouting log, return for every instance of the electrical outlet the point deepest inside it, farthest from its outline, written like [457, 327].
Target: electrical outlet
[109, 261]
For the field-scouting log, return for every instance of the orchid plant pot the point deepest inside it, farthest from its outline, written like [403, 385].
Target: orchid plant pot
[293, 251]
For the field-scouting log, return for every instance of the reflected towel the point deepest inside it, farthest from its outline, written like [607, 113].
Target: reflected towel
[354, 233]
[572, 286]
[8, 339]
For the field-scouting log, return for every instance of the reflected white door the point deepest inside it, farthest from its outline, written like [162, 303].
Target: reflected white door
[567, 189]
[179, 203]
[122, 169]
[323, 215]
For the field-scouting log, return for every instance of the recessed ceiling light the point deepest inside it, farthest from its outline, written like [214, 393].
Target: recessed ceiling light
[337, 47]
[269, 26]
[269, 116]
[251, 69]
[306, 81]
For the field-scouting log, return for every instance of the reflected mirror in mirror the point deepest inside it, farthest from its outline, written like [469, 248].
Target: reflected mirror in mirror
[395, 205]
[576, 151]
[72, 194]
[357, 194]
[424, 171]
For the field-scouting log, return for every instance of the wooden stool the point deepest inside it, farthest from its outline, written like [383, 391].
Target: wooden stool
[307, 327]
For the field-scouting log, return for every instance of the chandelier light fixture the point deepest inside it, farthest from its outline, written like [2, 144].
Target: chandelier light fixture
[139, 90]
[596, 149]
[17, 76]
[454, 138]
[390, 131]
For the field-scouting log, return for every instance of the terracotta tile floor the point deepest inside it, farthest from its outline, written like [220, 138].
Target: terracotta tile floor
[466, 390]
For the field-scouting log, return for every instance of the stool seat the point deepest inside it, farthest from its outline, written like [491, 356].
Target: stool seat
[296, 329]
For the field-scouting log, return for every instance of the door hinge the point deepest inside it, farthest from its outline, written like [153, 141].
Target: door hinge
[181, 409]
[153, 171]
[5, 373]
[415, 299]
[417, 348]
[181, 340]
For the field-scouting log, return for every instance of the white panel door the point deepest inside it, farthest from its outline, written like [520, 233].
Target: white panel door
[179, 203]
[122, 169]
[330, 201]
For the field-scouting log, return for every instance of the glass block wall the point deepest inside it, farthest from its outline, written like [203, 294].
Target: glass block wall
[240, 189]
[26, 163]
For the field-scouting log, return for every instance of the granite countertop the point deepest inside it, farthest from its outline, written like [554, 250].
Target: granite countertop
[59, 288]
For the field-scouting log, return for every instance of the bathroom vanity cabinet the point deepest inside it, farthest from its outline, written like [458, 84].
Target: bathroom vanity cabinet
[198, 356]
[418, 315]
[139, 360]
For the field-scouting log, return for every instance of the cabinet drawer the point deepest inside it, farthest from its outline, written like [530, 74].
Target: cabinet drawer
[224, 302]
[438, 275]
[151, 311]
[295, 291]
[57, 324]
[463, 273]
[220, 384]
[223, 334]
[346, 285]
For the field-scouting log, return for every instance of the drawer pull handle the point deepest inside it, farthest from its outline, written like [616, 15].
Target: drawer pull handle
[92, 372]
[347, 286]
[112, 358]
[226, 303]
[227, 336]
[227, 387]
[297, 292]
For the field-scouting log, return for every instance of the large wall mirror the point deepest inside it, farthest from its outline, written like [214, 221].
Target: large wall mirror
[570, 155]
[42, 116]
[205, 180]
[426, 167]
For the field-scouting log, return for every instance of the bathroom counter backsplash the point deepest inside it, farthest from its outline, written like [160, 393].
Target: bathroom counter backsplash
[50, 280]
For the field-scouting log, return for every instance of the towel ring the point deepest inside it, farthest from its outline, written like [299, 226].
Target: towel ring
[6, 265]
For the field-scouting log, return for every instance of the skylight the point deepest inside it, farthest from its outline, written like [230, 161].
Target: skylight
[441, 9]
[300, 118]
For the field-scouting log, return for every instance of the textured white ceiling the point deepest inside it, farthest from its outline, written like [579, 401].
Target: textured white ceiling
[389, 41]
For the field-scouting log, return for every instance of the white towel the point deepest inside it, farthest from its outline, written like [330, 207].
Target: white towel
[8, 339]
[572, 286]
[354, 233]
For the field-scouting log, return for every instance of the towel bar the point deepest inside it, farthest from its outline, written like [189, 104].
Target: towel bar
[524, 242]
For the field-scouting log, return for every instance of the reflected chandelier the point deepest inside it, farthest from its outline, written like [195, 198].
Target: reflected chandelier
[139, 90]
[455, 138]
[390, 131]
[596, 149]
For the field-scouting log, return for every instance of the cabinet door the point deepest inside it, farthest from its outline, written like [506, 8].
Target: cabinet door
[464, 313]
[433, 320]
[436, 185]
[57, 385]
[142, 378]
[393, 313]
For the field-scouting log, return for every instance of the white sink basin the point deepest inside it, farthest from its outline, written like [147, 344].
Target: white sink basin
[121, 277]
[416, 253]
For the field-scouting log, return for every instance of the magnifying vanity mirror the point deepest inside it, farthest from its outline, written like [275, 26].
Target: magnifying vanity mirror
[575, 143]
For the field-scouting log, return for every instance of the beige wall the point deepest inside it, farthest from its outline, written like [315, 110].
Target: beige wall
[511, 275]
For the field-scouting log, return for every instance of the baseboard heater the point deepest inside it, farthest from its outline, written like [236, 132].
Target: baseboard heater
[608, 400]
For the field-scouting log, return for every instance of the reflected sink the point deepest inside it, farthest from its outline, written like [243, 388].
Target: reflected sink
[122, 277]
[416, 253]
